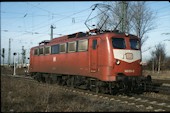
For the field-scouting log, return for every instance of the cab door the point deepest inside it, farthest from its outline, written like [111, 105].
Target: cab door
[93, 55]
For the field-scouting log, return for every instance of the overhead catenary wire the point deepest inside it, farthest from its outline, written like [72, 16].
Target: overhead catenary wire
[44, 9]
[60, 19]
[31, 32]
[47, 25]
[66, 17]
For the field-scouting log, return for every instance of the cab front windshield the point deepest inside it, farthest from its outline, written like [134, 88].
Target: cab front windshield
[118, 43]
[134, 44]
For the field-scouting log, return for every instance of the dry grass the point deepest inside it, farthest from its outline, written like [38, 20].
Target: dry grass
[10, 70]
[21, 95]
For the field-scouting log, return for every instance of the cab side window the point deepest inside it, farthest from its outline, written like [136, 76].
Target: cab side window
[95, 44]
[118, 43]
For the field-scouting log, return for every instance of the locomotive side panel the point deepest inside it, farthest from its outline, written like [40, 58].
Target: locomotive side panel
[69, 63]
[105, 59]
[95, 62]
[34, 61]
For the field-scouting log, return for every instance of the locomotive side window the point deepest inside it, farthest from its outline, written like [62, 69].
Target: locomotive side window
[35, 51]
[55, 49]
[47, 50]
[83, 45]
[118, 43]
[41, 51]
[63, 48]
[71, 46]
[94, 44]
[134, 44]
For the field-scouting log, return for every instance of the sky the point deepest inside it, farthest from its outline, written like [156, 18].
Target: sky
[28, 23]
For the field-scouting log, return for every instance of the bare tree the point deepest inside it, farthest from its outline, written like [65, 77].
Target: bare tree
[3, 54]
[153, 61]
[132, 17]
[158, 57]
[119, 14]
[142, 20]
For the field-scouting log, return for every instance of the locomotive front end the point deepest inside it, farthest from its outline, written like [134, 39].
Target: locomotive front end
[127, 66]
[127, 56]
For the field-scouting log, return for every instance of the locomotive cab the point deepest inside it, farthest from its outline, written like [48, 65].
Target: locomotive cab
[127, 67]
[126, 55]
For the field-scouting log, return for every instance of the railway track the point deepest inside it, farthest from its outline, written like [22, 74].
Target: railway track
[161, 87]
[148, 103]
[138, 101]
[162, 82]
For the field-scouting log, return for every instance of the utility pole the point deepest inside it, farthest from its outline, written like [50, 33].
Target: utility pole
[122, 26]
[52, 27]
[124, 15]
[25, 62]
[9, 53]
[14, 64]
[18, 59]
[3, 54]
[23, 56]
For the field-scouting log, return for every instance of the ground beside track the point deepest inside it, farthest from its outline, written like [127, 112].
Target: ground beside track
[24, 95]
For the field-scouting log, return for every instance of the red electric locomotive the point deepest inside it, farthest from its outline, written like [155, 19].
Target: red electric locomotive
[103, 60]
[107, 60]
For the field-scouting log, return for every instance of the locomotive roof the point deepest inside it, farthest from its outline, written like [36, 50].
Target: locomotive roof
[70, 36]
[79, 35]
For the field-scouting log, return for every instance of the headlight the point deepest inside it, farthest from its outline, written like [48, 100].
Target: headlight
[126, 34]
[117, 61]
[143, 63]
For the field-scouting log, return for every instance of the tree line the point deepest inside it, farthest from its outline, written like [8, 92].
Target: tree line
[159, 61]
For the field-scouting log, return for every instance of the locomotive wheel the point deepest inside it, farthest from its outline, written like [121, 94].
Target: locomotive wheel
[72, 82]
[53, 79]
[42, 79]
[92, 85]
[103, 89]
[38, 77]
[49, 80]
[59, 80]
[122, 87]
[110, 88]
[63, 80]
[97, 86]
[69, 81]
[35, 76]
